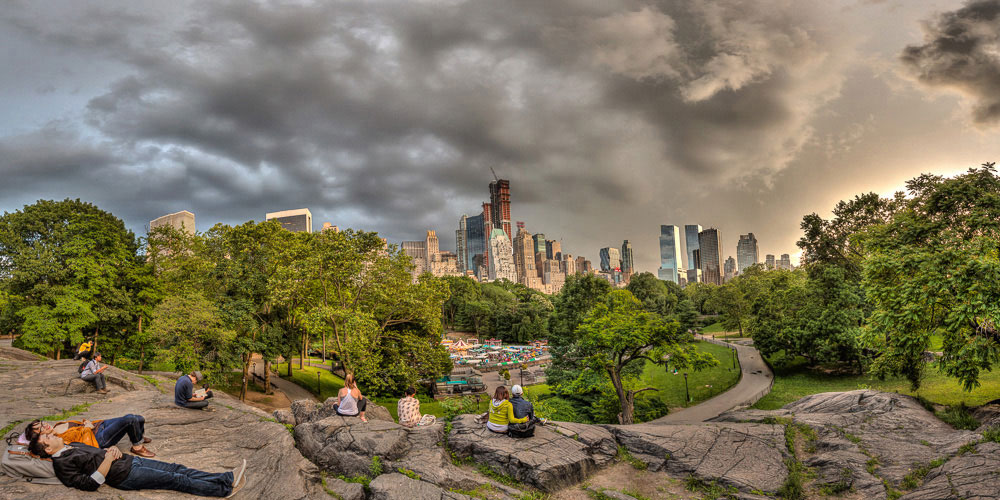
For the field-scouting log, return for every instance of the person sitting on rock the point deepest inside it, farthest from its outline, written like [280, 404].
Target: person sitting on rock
[86, 351]
[94, 372]
[350, 402]
[502, 412]
[185, 395]
[99, 433]
[408, 409]
[86, 468]
[523, 407]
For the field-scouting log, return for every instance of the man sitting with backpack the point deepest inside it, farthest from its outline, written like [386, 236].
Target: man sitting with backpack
[522, 409]
[93, 371]
[99, 434]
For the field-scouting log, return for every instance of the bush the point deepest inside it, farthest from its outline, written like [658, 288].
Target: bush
[959, 417]
[452, 407]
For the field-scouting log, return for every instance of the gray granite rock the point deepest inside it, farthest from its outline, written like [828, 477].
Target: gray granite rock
[399, 487]
[970, 476]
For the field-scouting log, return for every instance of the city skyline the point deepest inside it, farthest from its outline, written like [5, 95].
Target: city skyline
[147, 109]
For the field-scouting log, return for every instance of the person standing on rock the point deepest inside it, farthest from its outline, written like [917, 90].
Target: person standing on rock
[184, 393]
[94, 373]
[502, 412]
[99, 434]
[86, 468]
[350, 402]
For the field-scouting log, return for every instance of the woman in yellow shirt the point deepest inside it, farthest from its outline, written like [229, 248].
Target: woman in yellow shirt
[502, 412]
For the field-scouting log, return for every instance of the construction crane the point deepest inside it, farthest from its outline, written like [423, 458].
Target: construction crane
[494, 174]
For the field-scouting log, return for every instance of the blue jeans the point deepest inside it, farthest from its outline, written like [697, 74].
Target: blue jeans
[149, 474]
[112, 430]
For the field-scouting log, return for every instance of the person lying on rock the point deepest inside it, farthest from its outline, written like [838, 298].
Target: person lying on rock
[408, 409]
[502, 412]
[350, 402]
[94, 372]
[186, 397]
[523, 407]
[98, 433]
[86, 468]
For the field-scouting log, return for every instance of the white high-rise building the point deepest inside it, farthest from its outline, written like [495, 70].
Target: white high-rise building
[746, 252]
[501, 257]
[296, 221]
[181, 221]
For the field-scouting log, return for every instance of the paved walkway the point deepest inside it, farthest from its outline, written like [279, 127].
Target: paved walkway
[754, 384]
[293, 391]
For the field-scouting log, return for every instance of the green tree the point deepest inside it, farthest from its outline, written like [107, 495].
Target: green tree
[578, 296]
[653, 293]
[192, 336]
[934, 267]
[618, 337]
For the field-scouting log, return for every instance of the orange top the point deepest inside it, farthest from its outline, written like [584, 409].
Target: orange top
[79, 433]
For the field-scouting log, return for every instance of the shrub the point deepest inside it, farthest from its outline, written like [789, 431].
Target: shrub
[959, 417]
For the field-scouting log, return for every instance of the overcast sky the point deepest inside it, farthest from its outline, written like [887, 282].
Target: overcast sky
[609, 117]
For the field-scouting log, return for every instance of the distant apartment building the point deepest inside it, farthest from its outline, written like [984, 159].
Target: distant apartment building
[330, 227]
[670, 253]
[710, 255]
[691, 232]
[524, 257]
[461, 248]
[746, 252]
[501, 260]
[729, 269]
[296, 221]
[769, 262]
[611, 259]
[181, 221]
[628, 265]
[581, 264]
[785, 262]
[417, 251]
[539, 239]
[553, 250]
[568, 265]
[692, 276]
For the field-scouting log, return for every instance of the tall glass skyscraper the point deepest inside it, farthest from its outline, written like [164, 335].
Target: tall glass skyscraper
[628, 266]
[475, 240]
[746, 251]
[611, 259]
[670, 253]
[691, 243]
[461, 248]
[710, 252]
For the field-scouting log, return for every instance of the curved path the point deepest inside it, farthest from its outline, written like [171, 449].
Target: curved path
[754, 384]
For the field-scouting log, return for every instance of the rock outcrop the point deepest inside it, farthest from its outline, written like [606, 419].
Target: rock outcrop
[867, 444]
[210, 440]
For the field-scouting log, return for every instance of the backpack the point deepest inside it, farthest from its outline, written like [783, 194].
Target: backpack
[82, 366]
[19, 463]
[522, 430]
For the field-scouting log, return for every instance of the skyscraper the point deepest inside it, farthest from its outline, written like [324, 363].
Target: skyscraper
[181, 221]
[417, 250]
[710, 251]
[553, 249]
[730, 269]
[769, 261]
[539, 243]
[296, 221]
[461, 248]
[627, 263]
[746, 251]
[785, 262]
[475, 242]
[500, 206]
[610, 259]
[670, 253]
[524, 258]
[501, 264]
[691, 232]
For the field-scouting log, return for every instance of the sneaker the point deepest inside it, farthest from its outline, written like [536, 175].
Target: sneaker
[239, 473]
[238, 486]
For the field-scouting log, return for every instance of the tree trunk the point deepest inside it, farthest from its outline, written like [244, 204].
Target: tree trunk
[57, 353]
[93, 347]
[267, 376]
[302, 355]
[323, 349]
[142, 350]
[289, 364]
[626, 417]
[246, 373]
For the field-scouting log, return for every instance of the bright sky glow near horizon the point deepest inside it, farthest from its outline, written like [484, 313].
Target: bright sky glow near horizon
[609, 117]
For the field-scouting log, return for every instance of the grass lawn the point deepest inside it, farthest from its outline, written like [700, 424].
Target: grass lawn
[536, 390]
[795, 382]
[713, 328]
[671, 387]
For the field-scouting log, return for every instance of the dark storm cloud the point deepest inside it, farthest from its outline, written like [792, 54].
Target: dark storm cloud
[388, 115]
[961, 52]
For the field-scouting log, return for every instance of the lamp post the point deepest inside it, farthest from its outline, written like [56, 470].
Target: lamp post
[687, 392]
